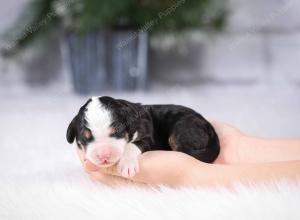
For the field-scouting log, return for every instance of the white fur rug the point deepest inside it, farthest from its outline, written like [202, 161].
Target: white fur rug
[41, 178]
[72, 196]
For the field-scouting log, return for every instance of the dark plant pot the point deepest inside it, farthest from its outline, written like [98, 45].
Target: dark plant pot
[129, 53]
[87, 59]
[107, 60]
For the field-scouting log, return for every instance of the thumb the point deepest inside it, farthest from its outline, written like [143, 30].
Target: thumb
[89, 166]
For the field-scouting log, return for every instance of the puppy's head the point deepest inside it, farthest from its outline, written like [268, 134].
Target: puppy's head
[102, 128]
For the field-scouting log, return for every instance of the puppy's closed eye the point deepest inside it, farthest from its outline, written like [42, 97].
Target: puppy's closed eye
[119, 134]
[87, 134]
[113, 131]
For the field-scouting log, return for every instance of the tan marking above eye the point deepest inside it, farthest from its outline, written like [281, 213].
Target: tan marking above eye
[113, 131]
[87, 134]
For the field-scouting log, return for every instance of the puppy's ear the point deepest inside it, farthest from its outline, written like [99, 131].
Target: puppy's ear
[71, 132]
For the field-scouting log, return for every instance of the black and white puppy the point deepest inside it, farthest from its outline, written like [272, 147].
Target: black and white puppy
[114, 131]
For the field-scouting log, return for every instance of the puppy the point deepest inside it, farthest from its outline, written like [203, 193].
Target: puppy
[114, 131]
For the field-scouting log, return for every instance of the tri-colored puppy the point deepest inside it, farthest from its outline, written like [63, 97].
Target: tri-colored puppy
[114, 131]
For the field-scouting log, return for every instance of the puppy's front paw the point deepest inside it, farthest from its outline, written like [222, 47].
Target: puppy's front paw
[128, 167]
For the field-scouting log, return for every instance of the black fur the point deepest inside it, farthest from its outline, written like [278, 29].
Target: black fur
[159, 127]
[77, 127]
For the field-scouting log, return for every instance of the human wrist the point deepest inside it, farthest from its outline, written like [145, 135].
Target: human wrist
[200, 174]
[250, 149]
[232, 149]
[242, 147]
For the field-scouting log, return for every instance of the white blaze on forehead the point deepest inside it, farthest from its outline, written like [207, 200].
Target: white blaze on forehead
[98, 118]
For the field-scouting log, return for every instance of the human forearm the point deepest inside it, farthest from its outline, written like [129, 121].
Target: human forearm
[176, 170]
[239, 148]
[228, 175]
[260, 150]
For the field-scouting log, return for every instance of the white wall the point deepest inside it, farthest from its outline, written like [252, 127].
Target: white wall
[260, 45]
[263, 42]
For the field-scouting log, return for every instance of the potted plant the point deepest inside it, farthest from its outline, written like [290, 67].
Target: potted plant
[106, 41]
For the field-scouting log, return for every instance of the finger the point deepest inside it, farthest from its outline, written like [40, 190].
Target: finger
[157, 167]
[89, 166]
[112, 170]
[81, 155]
[92, 178]
[100, 177]
[106, 179]
[213, 121]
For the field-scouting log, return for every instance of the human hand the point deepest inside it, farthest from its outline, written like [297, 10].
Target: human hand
[108, 176]
[178, 169]
[231, 140]
[156, 167]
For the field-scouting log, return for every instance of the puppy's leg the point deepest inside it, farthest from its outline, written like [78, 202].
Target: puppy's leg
[196, 138]
[128, 165]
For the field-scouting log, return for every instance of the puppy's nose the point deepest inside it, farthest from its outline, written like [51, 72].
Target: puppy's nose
[104, 156]
[103, 159]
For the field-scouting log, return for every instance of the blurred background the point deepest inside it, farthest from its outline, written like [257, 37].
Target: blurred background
[236, 61]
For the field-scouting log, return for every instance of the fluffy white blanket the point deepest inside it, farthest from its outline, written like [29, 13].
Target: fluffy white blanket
[70, 195]
[41, 178]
